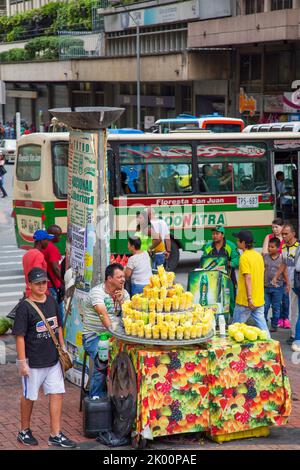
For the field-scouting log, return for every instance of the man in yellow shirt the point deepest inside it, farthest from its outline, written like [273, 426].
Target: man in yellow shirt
[250, 290]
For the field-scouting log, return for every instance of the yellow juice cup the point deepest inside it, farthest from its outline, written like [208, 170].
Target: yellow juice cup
[155, 332]
[133, 329]
[176, 319]
[141, 331]
[175, 303]
[164, 331]
[193, 332]
[182, 319]
[179, 332]
[170, 278]
[152, 318]
[160, 318]
[167, 305]
[163, 293]
[148, 331]
[182, 303]
[198, 330]
[159, 305]
[187, 332]
[152, 305]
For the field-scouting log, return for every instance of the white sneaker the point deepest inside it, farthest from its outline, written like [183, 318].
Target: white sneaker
[296, 346]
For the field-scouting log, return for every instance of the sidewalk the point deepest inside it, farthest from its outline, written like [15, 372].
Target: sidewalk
[282, 438]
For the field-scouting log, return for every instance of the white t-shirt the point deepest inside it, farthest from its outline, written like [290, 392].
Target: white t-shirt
[141, 268]
[160, 226]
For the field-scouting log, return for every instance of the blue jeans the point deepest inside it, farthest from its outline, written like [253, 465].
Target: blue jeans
[137, 288]
[273, 298]
[61, 307]
[242, 313]
[297, 333]
[98, 380]
[159, 260]
[285, 306]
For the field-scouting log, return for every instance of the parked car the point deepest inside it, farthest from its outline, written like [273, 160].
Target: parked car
[8, 148]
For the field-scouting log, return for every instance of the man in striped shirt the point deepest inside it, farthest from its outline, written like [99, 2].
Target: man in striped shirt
[102, 306]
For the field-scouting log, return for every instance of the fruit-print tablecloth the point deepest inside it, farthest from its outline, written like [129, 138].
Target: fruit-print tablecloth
[222, 387]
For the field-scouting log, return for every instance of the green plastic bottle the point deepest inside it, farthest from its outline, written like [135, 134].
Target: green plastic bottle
[103, 346]
[204, 290]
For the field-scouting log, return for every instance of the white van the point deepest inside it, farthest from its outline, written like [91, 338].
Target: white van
[8, 148]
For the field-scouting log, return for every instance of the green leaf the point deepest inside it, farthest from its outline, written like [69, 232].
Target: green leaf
[215, 391]
[196, 378]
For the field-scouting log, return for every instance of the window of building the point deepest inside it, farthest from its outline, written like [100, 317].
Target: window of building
[153, 40]
[254, 6]
[250, 68]
[281, 4]
[232, 167]
[155, 169]
[278, 66]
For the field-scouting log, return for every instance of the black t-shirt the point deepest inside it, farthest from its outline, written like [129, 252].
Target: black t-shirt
[39, 346]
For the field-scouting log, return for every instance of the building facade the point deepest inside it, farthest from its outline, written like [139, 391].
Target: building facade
[238, 58]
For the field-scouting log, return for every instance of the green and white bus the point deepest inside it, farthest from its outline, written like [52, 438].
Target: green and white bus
[193, 181]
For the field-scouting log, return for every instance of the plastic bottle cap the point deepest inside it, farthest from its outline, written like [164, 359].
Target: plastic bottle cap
[104, 336]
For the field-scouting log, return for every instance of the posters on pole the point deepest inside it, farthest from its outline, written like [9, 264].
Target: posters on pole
[82, 206]
[81, 239]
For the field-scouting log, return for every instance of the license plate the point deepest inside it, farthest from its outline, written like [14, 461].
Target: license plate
[247, 202]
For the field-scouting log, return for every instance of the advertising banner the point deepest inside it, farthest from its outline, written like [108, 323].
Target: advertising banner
[211, 288]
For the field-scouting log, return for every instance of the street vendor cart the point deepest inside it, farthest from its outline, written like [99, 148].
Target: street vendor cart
[209, 384]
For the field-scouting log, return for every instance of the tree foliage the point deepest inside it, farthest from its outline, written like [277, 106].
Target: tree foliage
[47, 20]
[44, 48]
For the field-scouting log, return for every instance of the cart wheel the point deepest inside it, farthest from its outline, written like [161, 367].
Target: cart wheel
[138, 442]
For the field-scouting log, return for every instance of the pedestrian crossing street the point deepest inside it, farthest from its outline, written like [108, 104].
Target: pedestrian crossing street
[12, 283]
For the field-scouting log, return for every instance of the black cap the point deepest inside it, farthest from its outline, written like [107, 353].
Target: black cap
[37, 275]
[244, 236]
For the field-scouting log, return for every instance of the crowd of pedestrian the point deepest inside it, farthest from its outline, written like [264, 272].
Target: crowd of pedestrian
[265, 280]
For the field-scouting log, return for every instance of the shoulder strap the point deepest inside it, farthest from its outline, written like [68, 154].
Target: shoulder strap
[36, 308]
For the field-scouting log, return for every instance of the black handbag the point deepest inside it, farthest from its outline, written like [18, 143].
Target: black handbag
[2, 170]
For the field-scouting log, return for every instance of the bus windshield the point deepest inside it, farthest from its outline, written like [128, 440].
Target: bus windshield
[222, 127]
[147, 168]
[60, 169]
[29, 162]
[232, 167]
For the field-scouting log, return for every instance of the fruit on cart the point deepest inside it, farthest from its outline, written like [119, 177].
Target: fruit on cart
[164, 311]
[240, 331]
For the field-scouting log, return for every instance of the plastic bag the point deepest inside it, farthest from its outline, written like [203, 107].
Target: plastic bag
[110, 439]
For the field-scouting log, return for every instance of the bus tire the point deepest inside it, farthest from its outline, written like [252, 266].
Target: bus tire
[173, 260]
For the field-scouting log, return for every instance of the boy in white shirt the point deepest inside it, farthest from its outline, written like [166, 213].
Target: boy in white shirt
[138, 270]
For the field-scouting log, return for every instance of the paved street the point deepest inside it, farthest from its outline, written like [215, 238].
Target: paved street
[11, 285]
[11, 273]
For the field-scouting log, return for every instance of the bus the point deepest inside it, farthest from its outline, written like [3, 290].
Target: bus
[193, 181]
[274, 127]
[212, 123]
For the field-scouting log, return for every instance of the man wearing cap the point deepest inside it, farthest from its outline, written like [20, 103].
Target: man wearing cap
[53, 259]
[38, 361]
[250, 290]
[222, 247]
[34, 258]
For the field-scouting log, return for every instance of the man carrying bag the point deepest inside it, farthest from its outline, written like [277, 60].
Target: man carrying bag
[38, 362]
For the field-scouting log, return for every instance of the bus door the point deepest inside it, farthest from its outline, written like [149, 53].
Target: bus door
[286, 179]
